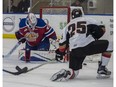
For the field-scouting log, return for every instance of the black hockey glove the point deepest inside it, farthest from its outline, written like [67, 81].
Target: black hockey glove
[96, 31]
[59, 55]
[22, 40]
[19, 37]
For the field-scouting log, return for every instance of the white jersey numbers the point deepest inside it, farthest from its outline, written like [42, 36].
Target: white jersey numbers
[79, 27]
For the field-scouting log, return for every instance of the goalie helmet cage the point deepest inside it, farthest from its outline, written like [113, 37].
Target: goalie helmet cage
[57, 17]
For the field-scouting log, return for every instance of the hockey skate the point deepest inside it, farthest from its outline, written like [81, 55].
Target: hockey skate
[62, 75]
[103, 72]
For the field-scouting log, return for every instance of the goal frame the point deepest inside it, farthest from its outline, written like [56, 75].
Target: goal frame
[55, 7]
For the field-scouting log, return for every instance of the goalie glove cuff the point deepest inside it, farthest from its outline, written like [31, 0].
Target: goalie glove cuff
[22, 40]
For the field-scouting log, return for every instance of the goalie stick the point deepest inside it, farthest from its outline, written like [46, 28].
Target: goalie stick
[12, 50]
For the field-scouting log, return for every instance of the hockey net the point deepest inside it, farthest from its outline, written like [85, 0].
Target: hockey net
[58, 17]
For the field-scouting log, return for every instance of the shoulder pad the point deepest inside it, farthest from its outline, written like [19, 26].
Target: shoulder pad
[22, 23]
[40, 22]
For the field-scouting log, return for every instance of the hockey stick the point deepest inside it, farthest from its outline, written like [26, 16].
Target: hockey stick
[13, 73]
[36, 67]
[33, 68]
[12, 50]
[25, 69]
[20, 71]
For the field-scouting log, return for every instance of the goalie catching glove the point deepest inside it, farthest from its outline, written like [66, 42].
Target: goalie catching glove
[59, 55]
[19, 37]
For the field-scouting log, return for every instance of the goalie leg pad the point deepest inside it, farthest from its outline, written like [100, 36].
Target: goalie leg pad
[38, 55]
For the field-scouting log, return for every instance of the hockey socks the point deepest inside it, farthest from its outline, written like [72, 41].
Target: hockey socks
[27, 55]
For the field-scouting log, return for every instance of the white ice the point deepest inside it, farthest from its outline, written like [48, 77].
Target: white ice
[40, 77]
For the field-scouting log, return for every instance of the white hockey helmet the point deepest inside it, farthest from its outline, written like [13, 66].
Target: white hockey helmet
[31, 20]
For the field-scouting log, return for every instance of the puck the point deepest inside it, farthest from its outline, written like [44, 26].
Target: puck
[84, 63]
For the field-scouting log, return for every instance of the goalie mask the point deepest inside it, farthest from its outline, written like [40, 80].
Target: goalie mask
[31, 20]
[76, 13]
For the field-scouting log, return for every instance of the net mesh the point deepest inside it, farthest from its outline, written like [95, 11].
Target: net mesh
[51, 11]
[56, 17]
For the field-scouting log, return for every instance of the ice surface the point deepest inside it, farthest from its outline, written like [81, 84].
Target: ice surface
[40, 77]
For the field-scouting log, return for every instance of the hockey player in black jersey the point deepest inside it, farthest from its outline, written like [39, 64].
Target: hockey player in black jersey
[82, 36]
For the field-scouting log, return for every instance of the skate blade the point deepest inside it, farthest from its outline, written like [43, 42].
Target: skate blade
[102, 76]
[54, 77]
[57, 77]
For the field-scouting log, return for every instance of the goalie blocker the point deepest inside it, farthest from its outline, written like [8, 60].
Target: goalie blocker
[38, 55]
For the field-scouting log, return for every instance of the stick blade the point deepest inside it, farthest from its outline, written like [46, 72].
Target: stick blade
[23, 70]
[20, 71]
